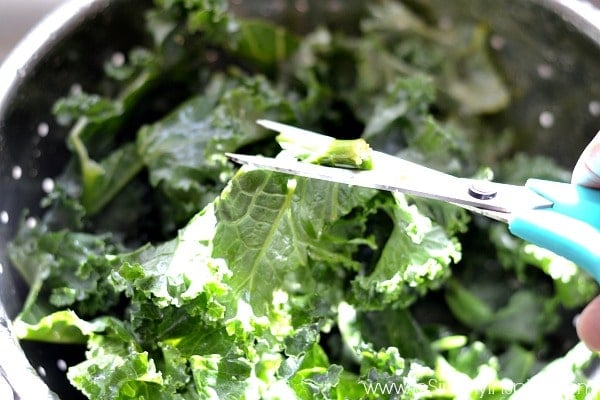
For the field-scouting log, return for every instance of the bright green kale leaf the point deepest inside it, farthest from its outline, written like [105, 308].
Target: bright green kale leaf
[59, 327]
[176, 278]
[313, 377]
[117, 368]
[131, 376]
[101, 182]
[271, 227]
[220, 377]
[262, 44]
[177, 271]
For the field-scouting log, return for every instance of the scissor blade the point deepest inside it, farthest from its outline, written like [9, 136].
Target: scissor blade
[394, 174]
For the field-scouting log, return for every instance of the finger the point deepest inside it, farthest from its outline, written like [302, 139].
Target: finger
[588, 325]
[587, 169]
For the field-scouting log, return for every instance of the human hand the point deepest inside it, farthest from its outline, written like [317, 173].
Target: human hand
[587, 173]
[587, 169]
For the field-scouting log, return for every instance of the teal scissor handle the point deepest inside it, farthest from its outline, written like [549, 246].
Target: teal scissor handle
[570, 228]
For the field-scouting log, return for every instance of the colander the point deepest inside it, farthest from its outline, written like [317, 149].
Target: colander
[549, 51]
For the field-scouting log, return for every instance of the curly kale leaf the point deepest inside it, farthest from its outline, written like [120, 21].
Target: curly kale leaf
[69, 269]
[415, 259]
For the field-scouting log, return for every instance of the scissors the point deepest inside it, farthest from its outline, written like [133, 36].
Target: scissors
[563, 218]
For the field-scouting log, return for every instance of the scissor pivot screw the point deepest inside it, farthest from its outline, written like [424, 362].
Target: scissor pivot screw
[482, 190]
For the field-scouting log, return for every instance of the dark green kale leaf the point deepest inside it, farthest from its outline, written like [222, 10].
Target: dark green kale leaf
[70, 269]
[456, 57]
[399, 329]
[400, 113]
[99, 118]
[415, 259]
[184, 152]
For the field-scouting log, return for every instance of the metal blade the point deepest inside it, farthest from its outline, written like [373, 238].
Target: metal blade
[394, 174]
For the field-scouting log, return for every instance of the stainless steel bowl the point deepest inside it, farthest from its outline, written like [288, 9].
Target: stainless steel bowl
[548, 49]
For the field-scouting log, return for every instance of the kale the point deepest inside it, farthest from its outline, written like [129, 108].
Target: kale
[186, 278]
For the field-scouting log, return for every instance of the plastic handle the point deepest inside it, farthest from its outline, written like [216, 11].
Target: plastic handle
[570, 228]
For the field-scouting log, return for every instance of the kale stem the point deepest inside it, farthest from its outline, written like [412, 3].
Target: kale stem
[324, 150]
[353, 153]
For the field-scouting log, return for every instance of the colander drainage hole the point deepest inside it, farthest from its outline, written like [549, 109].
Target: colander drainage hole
[17, 172]
[61, 364]
[43, 129]
[4, 218]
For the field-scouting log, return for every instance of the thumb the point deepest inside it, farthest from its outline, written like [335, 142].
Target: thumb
[588, 325]
[587, 169]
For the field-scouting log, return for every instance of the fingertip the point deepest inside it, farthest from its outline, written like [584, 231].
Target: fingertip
[587, 169]
[584, 176]
[588, 325]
